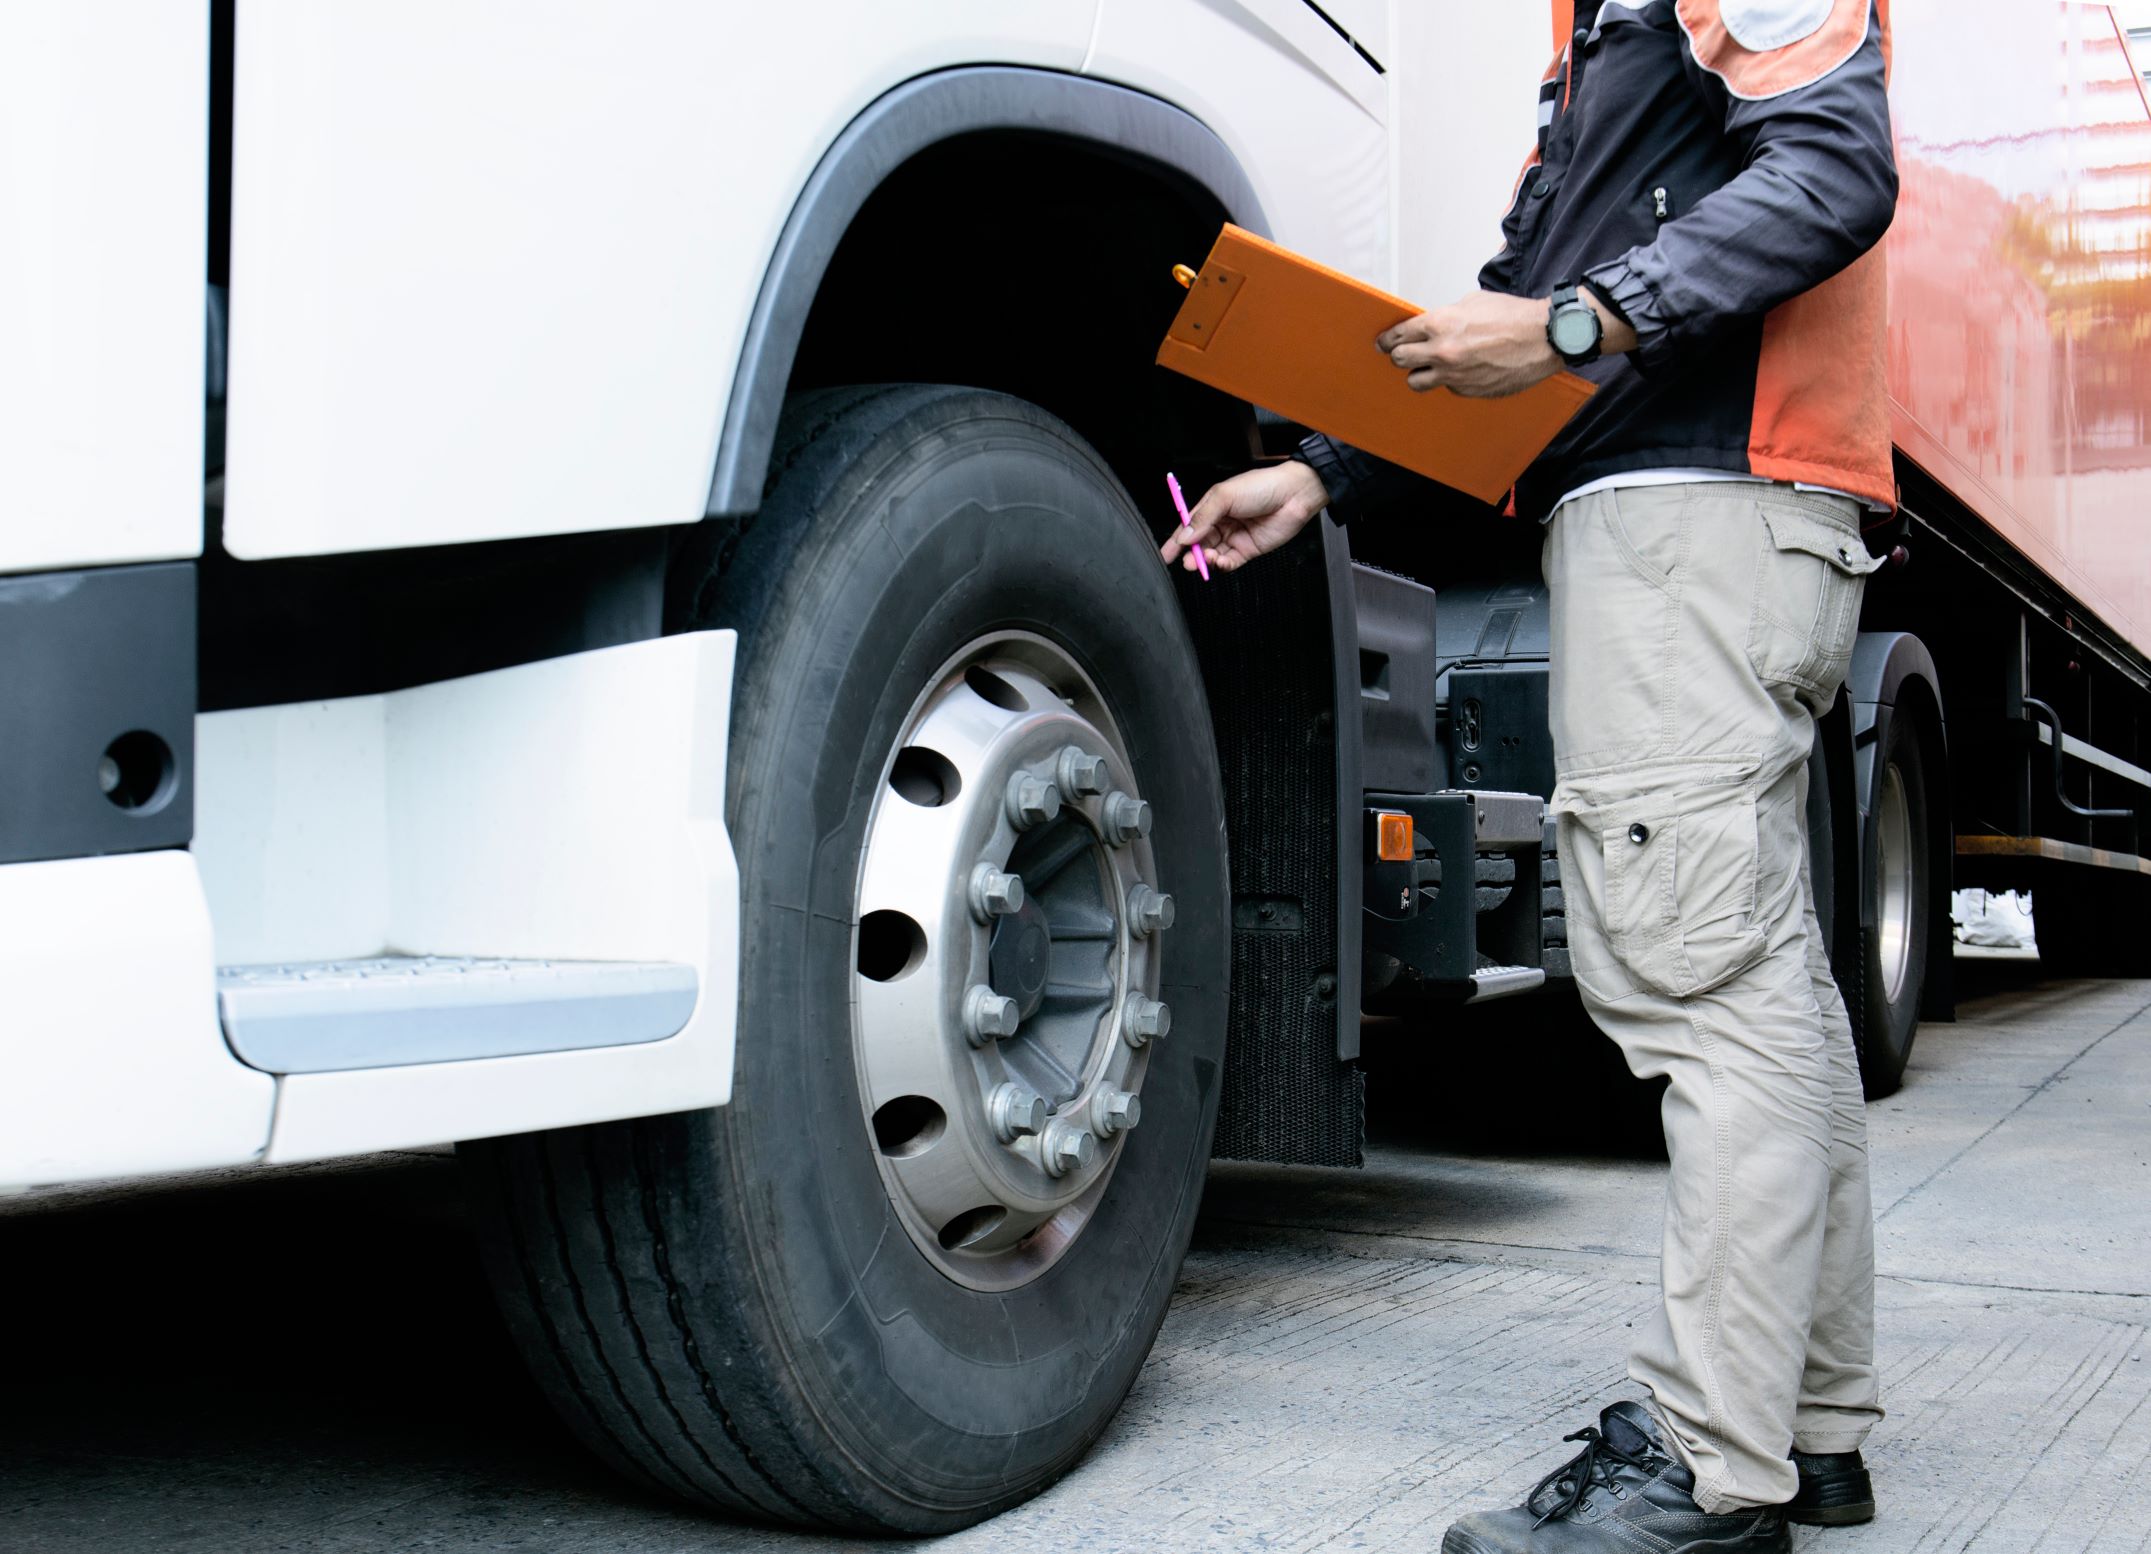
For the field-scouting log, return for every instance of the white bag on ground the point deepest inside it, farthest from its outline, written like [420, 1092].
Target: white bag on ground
[2001, 919]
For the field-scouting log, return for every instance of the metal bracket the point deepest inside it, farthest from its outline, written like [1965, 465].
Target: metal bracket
[2047, 715]
[1425, 912]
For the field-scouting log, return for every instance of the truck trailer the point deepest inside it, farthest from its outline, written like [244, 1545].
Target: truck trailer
[580, 582]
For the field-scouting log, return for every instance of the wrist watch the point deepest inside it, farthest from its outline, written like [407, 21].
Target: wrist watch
[1573, 328]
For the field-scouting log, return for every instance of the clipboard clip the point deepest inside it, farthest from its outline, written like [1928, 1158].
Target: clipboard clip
[1211, 291]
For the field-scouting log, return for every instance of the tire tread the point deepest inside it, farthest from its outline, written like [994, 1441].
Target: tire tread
[621, 1252]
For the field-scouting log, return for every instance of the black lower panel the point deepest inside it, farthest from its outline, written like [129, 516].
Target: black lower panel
[97, 700]
[1264, 638]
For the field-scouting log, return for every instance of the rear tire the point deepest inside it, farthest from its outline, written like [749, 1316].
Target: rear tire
[1898, 890]
[737, 1306]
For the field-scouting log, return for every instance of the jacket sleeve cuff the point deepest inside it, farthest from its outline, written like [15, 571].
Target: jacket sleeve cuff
[1321, 455]
[1637, 301]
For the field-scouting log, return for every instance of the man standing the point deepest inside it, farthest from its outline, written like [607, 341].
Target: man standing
[1694, 232]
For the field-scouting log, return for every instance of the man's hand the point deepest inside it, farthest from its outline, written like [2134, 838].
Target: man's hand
[1487, 344]
[1248, 516]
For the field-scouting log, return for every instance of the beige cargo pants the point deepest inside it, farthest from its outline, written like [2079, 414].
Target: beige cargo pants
[1698, 630]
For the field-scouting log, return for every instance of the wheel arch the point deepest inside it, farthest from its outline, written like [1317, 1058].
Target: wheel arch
[890, 238]
[1157, 140]
[1893, 674]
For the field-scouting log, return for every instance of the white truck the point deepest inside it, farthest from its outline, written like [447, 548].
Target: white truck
[579, 580]
[511, 668]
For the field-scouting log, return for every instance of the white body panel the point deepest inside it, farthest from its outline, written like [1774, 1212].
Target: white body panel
[111, 1061]
[1305, 116]
[497, 259]
[1466, 103]
[548, 811]
[103, 198]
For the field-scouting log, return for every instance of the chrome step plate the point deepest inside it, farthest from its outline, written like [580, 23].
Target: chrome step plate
[310, 1017]
[1504, 982]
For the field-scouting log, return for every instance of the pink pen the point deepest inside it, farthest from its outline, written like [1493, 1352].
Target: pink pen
[1202, 562]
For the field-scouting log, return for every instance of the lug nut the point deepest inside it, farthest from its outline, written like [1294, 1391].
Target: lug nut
[987, 1016]
[1067, 1147]
[994, 893]
[1015, 1112]
[1149, 911]
[1126, 818]
[1081, 773]
[1032, 801]
[1114, 1111]
[1142, 1018]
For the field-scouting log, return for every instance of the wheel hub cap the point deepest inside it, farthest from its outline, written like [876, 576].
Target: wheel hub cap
[1022, 957]
[1008, 939]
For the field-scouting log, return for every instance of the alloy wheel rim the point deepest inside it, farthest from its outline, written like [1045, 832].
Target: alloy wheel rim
[1006, 958]
[1893, 880]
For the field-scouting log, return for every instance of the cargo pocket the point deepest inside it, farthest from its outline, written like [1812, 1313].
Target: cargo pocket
[1807, 601]
[1681, 876]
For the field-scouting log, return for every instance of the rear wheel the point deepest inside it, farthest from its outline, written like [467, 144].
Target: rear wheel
[1898, 882]
[903, 1280]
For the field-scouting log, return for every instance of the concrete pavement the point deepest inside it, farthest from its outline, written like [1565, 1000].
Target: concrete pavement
[308, 1360]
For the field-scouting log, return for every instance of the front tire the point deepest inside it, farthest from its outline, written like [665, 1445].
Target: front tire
[772, 1308]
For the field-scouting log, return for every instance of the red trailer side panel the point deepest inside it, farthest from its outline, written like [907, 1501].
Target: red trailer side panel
[2020, 284]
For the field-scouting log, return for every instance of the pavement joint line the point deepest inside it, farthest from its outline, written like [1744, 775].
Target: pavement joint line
[2032, 1095]
[1567, 1259]
[2011, 1289]
[1439, 1241]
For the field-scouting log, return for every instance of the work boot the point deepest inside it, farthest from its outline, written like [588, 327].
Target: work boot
[1835, 1490]
[1622, 1494]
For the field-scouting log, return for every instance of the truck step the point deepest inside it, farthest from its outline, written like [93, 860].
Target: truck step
[310, 1017]
[1504, 982]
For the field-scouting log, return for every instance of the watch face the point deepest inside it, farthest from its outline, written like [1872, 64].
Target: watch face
[1575, 330]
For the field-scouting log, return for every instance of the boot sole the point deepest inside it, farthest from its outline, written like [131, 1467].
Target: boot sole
[1834, 1515]
[1457, 1541]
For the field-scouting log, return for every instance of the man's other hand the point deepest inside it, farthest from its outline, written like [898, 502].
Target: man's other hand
[1248, 516]
[1486, 345]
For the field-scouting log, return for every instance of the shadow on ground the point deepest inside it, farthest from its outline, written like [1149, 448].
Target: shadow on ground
[216, 1358]
[277, 1359]
[1517, 1078]
[1533, 1077]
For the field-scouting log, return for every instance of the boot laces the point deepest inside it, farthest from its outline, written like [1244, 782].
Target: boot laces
[1595, 1464]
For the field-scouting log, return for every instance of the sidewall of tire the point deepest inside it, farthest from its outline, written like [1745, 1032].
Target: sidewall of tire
[937, 517]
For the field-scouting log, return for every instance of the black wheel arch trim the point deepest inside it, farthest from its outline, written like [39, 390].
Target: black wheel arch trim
[1889, 667]
[1349, 732]
[895, 127]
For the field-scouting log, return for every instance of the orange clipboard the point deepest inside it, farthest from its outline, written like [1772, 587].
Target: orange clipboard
[1268, 326]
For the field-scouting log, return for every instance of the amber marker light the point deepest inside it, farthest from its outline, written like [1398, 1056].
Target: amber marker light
[1393, 838]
